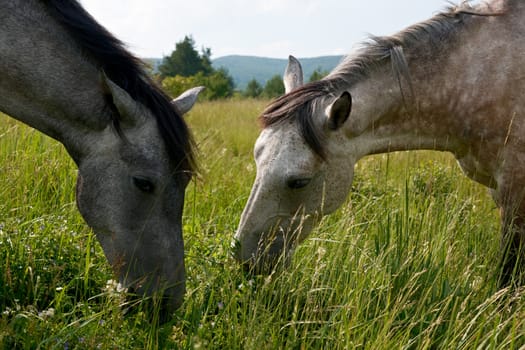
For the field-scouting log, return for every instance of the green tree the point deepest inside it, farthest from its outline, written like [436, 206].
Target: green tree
[274, 87]
[218, 85]
[185, 68]
[185, 60]
[206, 60]
[178, 84]
[253, 89]
[318, 74]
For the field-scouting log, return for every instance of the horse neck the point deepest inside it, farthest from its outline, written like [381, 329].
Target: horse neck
[46, 82]
[440, 109]
[385, 118]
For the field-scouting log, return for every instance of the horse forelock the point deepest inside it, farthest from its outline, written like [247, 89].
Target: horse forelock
[128, 72]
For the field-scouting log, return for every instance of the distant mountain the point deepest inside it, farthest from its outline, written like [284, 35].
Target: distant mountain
[245, 68]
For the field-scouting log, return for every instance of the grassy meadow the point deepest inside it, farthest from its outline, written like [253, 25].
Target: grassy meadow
[408, 263]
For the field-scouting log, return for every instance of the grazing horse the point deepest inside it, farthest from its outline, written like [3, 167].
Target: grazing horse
[455, 83]
[62, 73]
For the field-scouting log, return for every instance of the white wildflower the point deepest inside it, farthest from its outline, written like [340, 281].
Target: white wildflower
[45, 314]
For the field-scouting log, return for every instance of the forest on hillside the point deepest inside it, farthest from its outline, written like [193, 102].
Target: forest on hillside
[224, 77]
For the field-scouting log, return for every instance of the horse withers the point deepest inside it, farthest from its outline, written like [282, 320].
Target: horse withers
[65, 75]
[455, 83]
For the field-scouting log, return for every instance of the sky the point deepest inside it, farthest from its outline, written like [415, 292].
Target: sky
[267, 28]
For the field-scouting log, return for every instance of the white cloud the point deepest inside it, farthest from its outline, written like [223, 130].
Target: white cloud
[273, 28]
[304, 7]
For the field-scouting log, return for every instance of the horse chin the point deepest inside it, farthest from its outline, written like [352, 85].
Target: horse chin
[268, 264]
[274, 250]
[159, 305]
[268, 258]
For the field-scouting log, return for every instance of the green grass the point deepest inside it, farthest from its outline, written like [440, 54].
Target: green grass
[408, 263]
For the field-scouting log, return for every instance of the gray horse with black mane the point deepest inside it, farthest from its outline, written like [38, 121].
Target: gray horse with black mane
[455, 83]
[65, 75]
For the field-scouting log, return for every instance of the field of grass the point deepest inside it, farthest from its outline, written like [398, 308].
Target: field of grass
[408, 263]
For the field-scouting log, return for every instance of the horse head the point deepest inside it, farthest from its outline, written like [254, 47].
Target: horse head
[131, 193]
[295, 184]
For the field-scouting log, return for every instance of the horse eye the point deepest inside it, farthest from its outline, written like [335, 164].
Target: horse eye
[143, 184]
[296, 184]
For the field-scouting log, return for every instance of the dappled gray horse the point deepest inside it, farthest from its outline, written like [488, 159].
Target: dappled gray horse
[455, 82]
[65, 75]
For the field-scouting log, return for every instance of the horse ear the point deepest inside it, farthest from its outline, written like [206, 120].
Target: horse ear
[293, 75]
[340, 111]
[187, 99]
[127, 107]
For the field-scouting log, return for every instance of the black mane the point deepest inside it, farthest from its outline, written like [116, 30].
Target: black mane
[128, 72]
[430, 36]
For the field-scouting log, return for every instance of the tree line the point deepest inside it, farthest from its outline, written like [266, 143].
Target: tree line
[185, 68]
